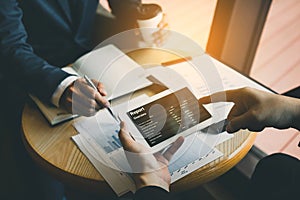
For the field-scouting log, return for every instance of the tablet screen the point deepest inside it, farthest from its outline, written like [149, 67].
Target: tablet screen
[165, 117]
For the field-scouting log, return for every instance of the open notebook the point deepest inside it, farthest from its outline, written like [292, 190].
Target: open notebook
[97, 136]
[109, 65]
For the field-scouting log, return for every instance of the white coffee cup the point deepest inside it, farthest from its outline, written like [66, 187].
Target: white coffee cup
[148, 23]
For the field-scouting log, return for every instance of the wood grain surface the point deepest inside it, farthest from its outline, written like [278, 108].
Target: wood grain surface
[53, 149]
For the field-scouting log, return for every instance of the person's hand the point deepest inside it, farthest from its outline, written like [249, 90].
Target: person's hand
[148, 169]
[80, 98]
[160, 36]
[255, 109]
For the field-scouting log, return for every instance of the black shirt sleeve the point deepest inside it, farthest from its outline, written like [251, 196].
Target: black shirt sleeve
[151, 193]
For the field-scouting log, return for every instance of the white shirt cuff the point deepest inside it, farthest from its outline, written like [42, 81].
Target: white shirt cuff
[61, 88]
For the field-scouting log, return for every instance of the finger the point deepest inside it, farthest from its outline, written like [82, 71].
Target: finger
[66, 102]
[100, 87]
[163, 21]
[125, 138]
[251, 120]
[161, 159]
[86, 89]
[137, 32]
[240, 122]
[136, 29]
[83, 109]
[80, 109]
[91, 93]
[84, 101]
[102, 101]
[174, 147]
[234, 112]
[77, 103]
[161, 36]
[162, 25]
[84, 105]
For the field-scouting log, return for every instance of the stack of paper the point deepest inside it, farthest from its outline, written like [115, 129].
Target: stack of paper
[98, 140]
[98, 135]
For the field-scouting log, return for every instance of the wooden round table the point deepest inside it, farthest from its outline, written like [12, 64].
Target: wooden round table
[52, 148]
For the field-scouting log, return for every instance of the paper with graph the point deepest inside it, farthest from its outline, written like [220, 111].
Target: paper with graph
[98, 135]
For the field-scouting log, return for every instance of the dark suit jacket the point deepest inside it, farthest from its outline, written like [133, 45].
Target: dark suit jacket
[152, 192]
[39, 36]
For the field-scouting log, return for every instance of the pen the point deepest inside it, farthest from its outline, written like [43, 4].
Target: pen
[173, 62]
[90, 83]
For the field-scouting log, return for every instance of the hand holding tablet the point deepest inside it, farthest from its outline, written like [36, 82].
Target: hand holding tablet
[160, 122]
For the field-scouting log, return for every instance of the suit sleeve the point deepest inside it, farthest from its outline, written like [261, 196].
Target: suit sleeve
[150, 193]
[21, 64]
[124, 9]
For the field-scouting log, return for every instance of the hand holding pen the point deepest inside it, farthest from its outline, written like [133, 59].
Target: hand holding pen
[84, 98]
[90, 83]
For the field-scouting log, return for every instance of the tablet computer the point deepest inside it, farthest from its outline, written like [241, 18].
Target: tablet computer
[160, 122]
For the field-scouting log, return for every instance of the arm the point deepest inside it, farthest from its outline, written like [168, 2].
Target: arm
[34, 73]
[148, 169]
[150, 193]
[255, 109]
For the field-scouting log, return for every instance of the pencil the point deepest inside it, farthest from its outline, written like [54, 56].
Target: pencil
[176, 61]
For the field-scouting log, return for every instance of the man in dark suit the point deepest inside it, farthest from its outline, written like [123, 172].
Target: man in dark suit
[276, 176]
[37, 38]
